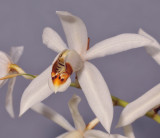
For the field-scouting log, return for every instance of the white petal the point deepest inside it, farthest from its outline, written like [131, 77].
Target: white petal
[77, 118]
[100, 134]
[4, 65]
[9, 97]
[37, 91]
[74, 59]
[75, 31]
[62, 135]
[52, 40]
[16, 53]
[74, 134]
[151, 51]
[128, 131]
[61, 88]
[117, 44]
[52, 115]
[140, 106]
[97, 94]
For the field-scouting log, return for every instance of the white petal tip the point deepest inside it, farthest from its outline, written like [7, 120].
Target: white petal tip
[140, 30]
[58, 12]
[62, 12]
[47, 32]
[65, 15]
[46, 29]
[22, 111]
[11, 113]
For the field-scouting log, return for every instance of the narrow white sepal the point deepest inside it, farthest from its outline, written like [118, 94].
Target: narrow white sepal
[77, 118]
[118, 44]
[51, 114]
[128, 131]
[140, 106]
[100, 134]
[52, 40]
[75, 31]
[97, 94]
[36, 91]
[16, 53]
[154, 53]
[9, 97]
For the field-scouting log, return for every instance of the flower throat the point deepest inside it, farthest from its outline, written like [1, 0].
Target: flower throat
[61, 70]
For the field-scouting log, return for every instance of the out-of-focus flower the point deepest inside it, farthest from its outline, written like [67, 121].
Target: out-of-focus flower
[80, 130]
[7, 67]
[149, 100]
[75, 59]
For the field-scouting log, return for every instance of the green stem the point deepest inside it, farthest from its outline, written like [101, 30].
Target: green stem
[73, 85]
[118, 102]
[27, 76]
[21, 72]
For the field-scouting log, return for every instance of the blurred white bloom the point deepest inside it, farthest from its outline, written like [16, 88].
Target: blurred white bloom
[75, 59]
[6, 61]
[80, 130]
[149, 100]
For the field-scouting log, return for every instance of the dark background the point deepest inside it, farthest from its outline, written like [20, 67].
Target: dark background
[128, 74]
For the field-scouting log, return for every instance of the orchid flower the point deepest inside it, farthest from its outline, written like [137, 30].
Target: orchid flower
[149, 100]
[74, 58]
[81, 130]
[7, 64]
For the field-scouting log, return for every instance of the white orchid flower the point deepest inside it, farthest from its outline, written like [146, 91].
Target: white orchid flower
[6, 67]
[74, 58]
[149, 100]
[80, 130]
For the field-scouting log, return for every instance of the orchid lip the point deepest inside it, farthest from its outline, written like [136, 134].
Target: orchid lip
[61, 71]
[67, 62]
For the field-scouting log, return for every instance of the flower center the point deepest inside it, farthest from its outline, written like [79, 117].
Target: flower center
[61, 70]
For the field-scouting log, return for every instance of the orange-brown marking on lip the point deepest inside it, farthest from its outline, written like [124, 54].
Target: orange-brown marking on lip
[69, 69]
[88, 43]
[60, 73]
